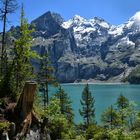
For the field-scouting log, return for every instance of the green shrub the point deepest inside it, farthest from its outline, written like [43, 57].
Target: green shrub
[4, 126]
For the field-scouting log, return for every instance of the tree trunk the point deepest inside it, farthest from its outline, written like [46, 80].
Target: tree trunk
[3, 49]
[24, 108]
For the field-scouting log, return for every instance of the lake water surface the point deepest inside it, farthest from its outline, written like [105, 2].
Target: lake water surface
[104, 94]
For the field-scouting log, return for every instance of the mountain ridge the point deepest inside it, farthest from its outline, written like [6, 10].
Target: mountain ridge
[83, 49]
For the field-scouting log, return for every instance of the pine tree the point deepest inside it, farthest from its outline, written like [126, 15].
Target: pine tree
[65, 104]
[7, 7]
[110, 118]
[122, 102]
[45, 77]
[88, 110]
[22, 69]
[122, 106]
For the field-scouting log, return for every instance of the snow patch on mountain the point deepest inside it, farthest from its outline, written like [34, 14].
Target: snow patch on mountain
[134, 22]
[84, 30]
[125, 41]
[104, 24]
[116, 30]
[136, 17]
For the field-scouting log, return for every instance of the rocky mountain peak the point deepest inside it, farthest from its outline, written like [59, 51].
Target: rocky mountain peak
[78, 18]
[48, 22]
[101, 22]
[99, 19]
[75, 21]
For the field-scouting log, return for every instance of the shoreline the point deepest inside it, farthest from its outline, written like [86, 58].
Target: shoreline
[96, 83]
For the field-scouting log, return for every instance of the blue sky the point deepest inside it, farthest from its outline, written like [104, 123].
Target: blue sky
[113, 11]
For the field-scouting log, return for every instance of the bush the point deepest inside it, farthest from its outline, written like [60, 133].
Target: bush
[58, 126]
[4, 126]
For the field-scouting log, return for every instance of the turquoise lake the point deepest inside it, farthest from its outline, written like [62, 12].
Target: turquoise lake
[104, 95]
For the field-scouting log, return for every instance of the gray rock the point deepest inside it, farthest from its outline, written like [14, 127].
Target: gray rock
[87, 49]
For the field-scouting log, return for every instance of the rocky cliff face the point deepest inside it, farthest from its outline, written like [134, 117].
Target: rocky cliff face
[88, 49]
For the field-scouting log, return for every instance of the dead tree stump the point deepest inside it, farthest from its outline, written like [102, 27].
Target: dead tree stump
[24, 108]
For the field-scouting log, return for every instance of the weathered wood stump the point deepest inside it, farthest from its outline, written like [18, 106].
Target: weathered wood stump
[26, 100]
[24, 108]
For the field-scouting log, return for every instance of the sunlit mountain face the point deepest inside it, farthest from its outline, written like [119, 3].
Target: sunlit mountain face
[88, 48]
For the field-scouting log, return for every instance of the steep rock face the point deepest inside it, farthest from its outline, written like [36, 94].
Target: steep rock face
[48, 24]
[88, 48]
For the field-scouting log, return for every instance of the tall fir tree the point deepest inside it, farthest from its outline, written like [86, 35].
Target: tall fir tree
[110, 118]
[122, 106]
[88, 110]
[65, 104]
[22, 69]
[46, 77]
[122, 102]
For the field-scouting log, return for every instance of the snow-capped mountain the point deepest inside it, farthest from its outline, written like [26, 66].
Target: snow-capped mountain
[88, 48]
[84, 30]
